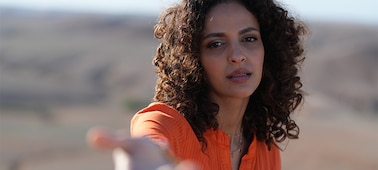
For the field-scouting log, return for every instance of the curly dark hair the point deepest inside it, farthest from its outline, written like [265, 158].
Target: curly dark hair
[181, 79]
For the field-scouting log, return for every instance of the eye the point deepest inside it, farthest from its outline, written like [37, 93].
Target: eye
[249, 39]
[214, 44]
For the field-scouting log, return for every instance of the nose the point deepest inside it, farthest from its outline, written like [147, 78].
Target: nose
[236, 55]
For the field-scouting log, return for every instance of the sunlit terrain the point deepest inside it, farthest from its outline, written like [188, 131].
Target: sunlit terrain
[62, 73]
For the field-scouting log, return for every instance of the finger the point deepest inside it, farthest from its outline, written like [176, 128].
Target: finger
[103, 139]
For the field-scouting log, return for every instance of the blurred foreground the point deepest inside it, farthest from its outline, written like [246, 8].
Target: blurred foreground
[64, 73]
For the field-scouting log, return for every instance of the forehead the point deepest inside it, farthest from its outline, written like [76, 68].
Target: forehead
[229, 15]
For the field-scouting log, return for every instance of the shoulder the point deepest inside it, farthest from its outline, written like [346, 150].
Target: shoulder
[158, 117]
[162, 123]
[271, 156]
[158, 112]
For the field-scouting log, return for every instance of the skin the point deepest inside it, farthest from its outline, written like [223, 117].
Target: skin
[232, 55]
[135, 150]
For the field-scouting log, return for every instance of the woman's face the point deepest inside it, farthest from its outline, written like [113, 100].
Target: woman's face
[232, 52]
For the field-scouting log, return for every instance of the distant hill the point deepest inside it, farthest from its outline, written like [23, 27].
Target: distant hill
[65, 58]
[342, 62]
[54, 58]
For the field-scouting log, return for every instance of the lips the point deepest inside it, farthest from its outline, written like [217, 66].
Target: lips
[239, 75]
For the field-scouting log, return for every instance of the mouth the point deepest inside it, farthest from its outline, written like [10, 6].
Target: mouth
[239, 75]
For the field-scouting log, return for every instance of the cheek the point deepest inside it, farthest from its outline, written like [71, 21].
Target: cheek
[260, 58]
[211, 69]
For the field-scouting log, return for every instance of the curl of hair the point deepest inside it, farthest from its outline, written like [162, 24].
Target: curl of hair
[181, 82]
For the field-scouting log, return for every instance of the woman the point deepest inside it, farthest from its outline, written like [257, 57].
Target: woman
[227, 85]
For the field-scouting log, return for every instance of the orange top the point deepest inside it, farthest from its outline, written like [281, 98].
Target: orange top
[159, 122]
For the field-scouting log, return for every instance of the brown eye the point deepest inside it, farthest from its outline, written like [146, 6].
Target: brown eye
[214, 44]
[249, 39]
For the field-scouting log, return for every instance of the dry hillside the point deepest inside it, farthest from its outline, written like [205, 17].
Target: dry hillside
[62, 73]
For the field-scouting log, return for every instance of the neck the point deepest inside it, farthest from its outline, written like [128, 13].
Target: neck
[231, 114]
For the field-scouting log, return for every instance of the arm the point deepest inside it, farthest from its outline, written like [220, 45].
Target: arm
[134, 153]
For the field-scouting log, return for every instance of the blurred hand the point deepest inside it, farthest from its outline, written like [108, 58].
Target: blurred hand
[135, 153]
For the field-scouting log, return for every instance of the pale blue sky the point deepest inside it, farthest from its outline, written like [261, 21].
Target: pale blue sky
[361, 11]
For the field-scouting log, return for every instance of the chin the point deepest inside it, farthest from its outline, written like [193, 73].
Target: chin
[243, 94]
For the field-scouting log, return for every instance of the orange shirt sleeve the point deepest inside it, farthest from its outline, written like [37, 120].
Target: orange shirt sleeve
[164, 125]
[149, 125]
[161, 123]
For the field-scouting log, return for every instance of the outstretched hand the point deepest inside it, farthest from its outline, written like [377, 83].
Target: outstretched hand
[135, 153]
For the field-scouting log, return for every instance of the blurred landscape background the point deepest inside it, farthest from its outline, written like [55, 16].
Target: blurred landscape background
[62, 73]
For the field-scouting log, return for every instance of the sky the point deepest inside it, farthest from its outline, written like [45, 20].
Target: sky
[361, 11]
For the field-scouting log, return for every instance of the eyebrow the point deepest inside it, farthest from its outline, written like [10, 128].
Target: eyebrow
[243, 31]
